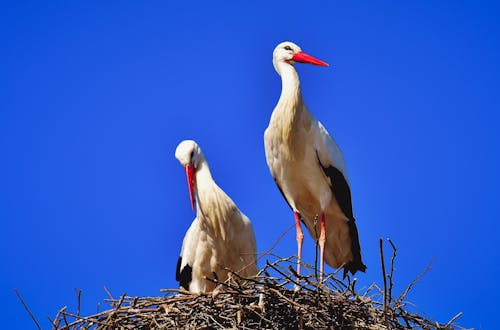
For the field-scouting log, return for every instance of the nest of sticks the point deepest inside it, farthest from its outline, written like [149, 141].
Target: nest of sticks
[276, 299]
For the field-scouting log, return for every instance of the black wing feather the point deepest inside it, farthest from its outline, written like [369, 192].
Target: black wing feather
[342, 194]
[184, 275]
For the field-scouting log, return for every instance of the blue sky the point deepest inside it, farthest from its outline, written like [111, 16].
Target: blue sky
[96, 96]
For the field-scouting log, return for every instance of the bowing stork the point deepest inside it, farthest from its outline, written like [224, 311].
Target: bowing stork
[309, 169]
[221, 237]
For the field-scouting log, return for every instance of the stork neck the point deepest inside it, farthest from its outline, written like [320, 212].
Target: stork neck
[291, 94]
[288, 112]
[203, 186]
[203, 175]
[212, 208]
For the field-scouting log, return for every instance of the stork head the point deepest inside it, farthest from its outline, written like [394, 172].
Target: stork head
[288, 52]
[190, 156]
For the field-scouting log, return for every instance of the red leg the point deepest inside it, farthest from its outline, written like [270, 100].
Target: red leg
[322, 239]
[300, 239]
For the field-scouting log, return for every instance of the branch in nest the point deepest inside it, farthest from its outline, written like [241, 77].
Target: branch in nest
[237, 304]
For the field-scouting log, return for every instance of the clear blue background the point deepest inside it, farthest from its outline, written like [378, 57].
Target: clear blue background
[95, 97]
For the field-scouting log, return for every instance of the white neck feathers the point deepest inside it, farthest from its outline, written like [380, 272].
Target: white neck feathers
[289, 110]
[213, 207]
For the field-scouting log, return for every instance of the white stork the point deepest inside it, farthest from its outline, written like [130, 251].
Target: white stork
[308, 167]
[221, 237]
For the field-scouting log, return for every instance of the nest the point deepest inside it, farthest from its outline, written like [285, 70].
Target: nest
[276, 299]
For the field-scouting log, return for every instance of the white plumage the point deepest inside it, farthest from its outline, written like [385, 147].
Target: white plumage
[309, 169]
[221, 237]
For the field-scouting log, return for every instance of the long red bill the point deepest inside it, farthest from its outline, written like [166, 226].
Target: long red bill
[190, 178]
[306, 58]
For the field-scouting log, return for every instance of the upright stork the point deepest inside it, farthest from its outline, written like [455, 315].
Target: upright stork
[221, 237]
[309, 169]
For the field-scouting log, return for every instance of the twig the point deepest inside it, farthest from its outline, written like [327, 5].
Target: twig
[286, 276]
[412, 283]
[108, 293]
[121, 301]
[287, 299]
[383, 275]
[391, 284]
[57, 320]
[78, 297]
[27, 309]
[268, 251]
[236, 305]
[453, 319]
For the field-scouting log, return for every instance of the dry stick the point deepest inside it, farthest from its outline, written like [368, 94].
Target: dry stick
[412, 283]
[134, 302]
[27, 309]
[261, 317]
[391, 284]
[334, 279]
[287, 277]
[227, 285]
[268, 250]
[261, 283]
[192, 310]
[92, 319]
[288, 299]
[384, 277]
[405, 319]
[370, 288]
[78, 297]
[108, 293]
[182, 291]
[419, 319]
[64, 316]
[54, 326]
[215, 321]
[55, 323]
[121, 301]
[450, 322]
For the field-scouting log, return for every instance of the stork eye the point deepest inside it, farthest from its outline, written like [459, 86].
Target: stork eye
[288, 48]
[192, 154]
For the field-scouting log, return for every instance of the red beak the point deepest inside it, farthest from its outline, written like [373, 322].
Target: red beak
[306, 58]
[190, 177]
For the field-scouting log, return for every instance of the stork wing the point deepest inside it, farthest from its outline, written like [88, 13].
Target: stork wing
[184, 269]
[328, 151]
[271, 161]
[331, 160]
